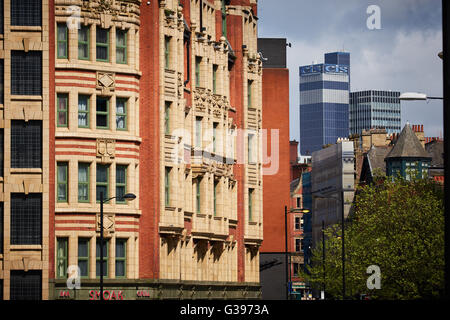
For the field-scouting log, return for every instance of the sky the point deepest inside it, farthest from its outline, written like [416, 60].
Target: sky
[401, 55]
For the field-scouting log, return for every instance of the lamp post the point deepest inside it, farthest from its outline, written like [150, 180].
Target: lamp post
[126, 197]
[408, 96]
[323, 259]
[343, 233]
[288, 264]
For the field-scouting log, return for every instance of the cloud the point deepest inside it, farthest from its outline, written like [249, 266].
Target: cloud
[401, 56]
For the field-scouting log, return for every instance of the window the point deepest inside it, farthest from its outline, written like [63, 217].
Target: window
[249, 94]
[198, 195]
[61, 257]
[1, 32]
[2, 79]
[296, 269]
[121, 114]
[102, 112]
[121, 257]
[216, 185]
[26, 12]
[198, 132]
[224, 19]
[83, 111]
[215, 67]
[83, 182]
[298, 245]
[62, 181]
[250, 148]
[102, 181]
[121, 183]
[61, 41]
[425, 167]
[198, 61]
[26, 144]
[26, 72]
[83, 42]
[299, 202]
[63, 103]
[121, 46]
[26, 218]
[102, 44]
[105, 257]
[167, 52]
[167, 118]
[215, 125]
[83, 257]
[167, 186]
[25, 285]
[2, 148]
[1, 228]
[250, 204]
[297, 223]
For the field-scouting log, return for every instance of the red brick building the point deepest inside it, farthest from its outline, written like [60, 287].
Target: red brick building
[275, 95]
[161, 99]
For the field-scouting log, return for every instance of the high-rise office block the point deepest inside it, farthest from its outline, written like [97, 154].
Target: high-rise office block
[324, 102]
[374, 109]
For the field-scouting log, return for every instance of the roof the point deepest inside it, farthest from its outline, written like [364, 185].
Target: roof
[435, 150]
[376, 155]
[294, 184]
[408, 145]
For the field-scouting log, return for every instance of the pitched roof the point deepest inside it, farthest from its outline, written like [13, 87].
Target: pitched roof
[376, 155]
[436, 151]
[294, 184]
[408, 145]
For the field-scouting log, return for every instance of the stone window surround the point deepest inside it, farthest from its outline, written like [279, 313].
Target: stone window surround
[72, 183]
[92, 110]
[72, 43]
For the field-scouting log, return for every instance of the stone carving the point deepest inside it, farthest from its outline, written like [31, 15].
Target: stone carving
[108, 224]
[106, 149]
[105, 81]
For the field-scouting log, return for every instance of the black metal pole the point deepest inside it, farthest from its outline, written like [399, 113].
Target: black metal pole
[446, 87]
[101, 246]
[323, 256]
[343, 246]
[286, 250]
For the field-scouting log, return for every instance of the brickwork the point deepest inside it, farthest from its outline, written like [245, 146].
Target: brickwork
[124, 84]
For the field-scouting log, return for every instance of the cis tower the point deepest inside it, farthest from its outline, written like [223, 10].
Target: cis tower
[324, 102]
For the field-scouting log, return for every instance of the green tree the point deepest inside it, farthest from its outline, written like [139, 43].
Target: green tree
[396, 225]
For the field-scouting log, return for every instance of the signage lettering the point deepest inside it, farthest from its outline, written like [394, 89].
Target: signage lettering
[107, 295]
[142, 293]
[64, 294]
[323, 68]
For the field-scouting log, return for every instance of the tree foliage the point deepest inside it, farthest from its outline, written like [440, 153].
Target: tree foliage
[396, 225]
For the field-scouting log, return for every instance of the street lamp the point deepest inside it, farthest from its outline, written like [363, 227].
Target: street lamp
[126, 197]
[288, 273]
[343, 242]
[408, 96]
[323, 259]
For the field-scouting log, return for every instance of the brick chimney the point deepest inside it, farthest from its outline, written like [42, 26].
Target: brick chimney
[418, 130]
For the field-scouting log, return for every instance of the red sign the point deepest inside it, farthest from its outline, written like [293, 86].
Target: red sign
[107, 295]
[142, 294]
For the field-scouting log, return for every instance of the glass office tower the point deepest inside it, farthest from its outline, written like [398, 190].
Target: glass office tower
[324, 102]
[375, 109]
